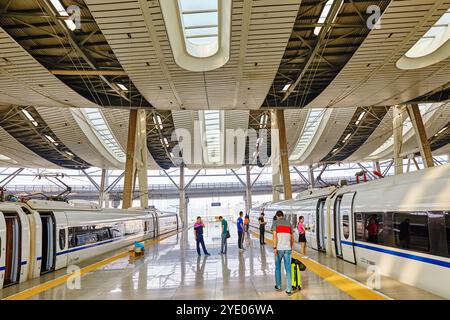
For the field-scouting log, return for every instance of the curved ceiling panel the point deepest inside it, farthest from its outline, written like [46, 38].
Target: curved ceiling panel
[118, 122]
[333, 124]
[21, 155]
[373, 79]
[29, 128]
[142, 46]
[361, 126]
[80, 139]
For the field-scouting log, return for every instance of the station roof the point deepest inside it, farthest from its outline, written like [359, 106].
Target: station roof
[335, 74]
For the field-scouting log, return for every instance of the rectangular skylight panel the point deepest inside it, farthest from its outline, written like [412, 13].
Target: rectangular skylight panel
[59, 8]
[198, 32]
[200, 19]
[198, 5]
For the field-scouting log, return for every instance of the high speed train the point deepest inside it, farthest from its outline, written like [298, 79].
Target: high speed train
[400, 225]
[41, 236]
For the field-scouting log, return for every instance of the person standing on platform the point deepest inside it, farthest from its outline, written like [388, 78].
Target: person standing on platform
[302, 235]
[240, 229]
[262, 228]
[283, 242]
[224, 235]
[198, 233]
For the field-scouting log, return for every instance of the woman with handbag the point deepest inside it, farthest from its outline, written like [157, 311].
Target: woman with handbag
[302, 235]
[225, 234]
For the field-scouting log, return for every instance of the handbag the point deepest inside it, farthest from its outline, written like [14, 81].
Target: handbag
[228, 234]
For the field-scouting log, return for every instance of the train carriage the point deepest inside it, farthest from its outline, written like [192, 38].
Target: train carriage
[42, 236]
[398, 225]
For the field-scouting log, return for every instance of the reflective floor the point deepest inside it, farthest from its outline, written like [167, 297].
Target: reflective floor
[172, 269]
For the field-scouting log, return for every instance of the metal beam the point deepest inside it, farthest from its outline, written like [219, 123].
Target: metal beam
[397, 118]
[94, 183]
[301, 175]
[239, 178]
[420, 133]
[9, 178]
[88, 72]
[115, 182]
[284, 156]
[76, 46]
[192, 179]
[327, 23]
[173, 181]
[128, 187]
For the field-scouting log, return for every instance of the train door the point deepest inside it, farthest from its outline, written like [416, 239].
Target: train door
[337, 223]
[48, 244]
[320, 220]
[346, 227]
[2, 248]
[12, 249]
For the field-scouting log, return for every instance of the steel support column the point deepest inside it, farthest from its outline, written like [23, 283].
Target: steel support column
[182, 203]
[102, 193]
[421, 134]
[284, 153]
[398, 139]
[311, 176]
[141, 157]
[248, 190]
[275, 157]
[128, 186]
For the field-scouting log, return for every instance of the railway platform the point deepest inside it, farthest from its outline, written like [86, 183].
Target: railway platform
[172, 270]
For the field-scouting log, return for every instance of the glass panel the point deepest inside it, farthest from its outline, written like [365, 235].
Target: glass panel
[346, 226]
[309, 129]
[411, 231]
[373, 227]
[433, 39]
[447, 228]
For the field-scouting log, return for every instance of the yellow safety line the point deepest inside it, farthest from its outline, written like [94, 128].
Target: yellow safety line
[62, 279]
[349, 286]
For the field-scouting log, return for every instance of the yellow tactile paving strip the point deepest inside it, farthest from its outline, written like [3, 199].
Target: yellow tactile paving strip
[62, 279]
[351, 287]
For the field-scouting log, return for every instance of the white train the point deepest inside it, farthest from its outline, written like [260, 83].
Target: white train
[40, 236]
[400, 224]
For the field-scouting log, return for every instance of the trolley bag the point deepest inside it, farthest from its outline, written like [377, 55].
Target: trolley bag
[295, 274]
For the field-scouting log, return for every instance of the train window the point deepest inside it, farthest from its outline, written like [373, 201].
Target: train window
[411, 231]
[447, 227]
[359, 227]
[346, 226]
[62, 239]
[373, 227]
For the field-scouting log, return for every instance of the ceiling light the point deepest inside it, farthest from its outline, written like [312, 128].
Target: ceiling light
[440, 131]
[346, 137]
[122, 87]
[71, 25]
[70, 153]
[30, 117]
[286, 86]
[334, 150]
[59, 8]
[361, 115]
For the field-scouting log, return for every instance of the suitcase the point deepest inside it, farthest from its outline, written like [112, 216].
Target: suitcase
[295, 274]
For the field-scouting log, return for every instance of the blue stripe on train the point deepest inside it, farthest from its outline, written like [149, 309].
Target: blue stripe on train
[400, 254]
[87, 247]
[2, 268]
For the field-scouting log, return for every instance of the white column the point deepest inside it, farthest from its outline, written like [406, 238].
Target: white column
[182, 203]
[398, 139]
[141, 157]
[248, 189]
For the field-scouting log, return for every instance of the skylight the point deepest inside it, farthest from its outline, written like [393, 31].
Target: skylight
[309, 130]
[63, 13]
[199, 32]
[435, 37]
[324, 15]
[200, 21]
[98, 122]
[212, 135]
[30, 117]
